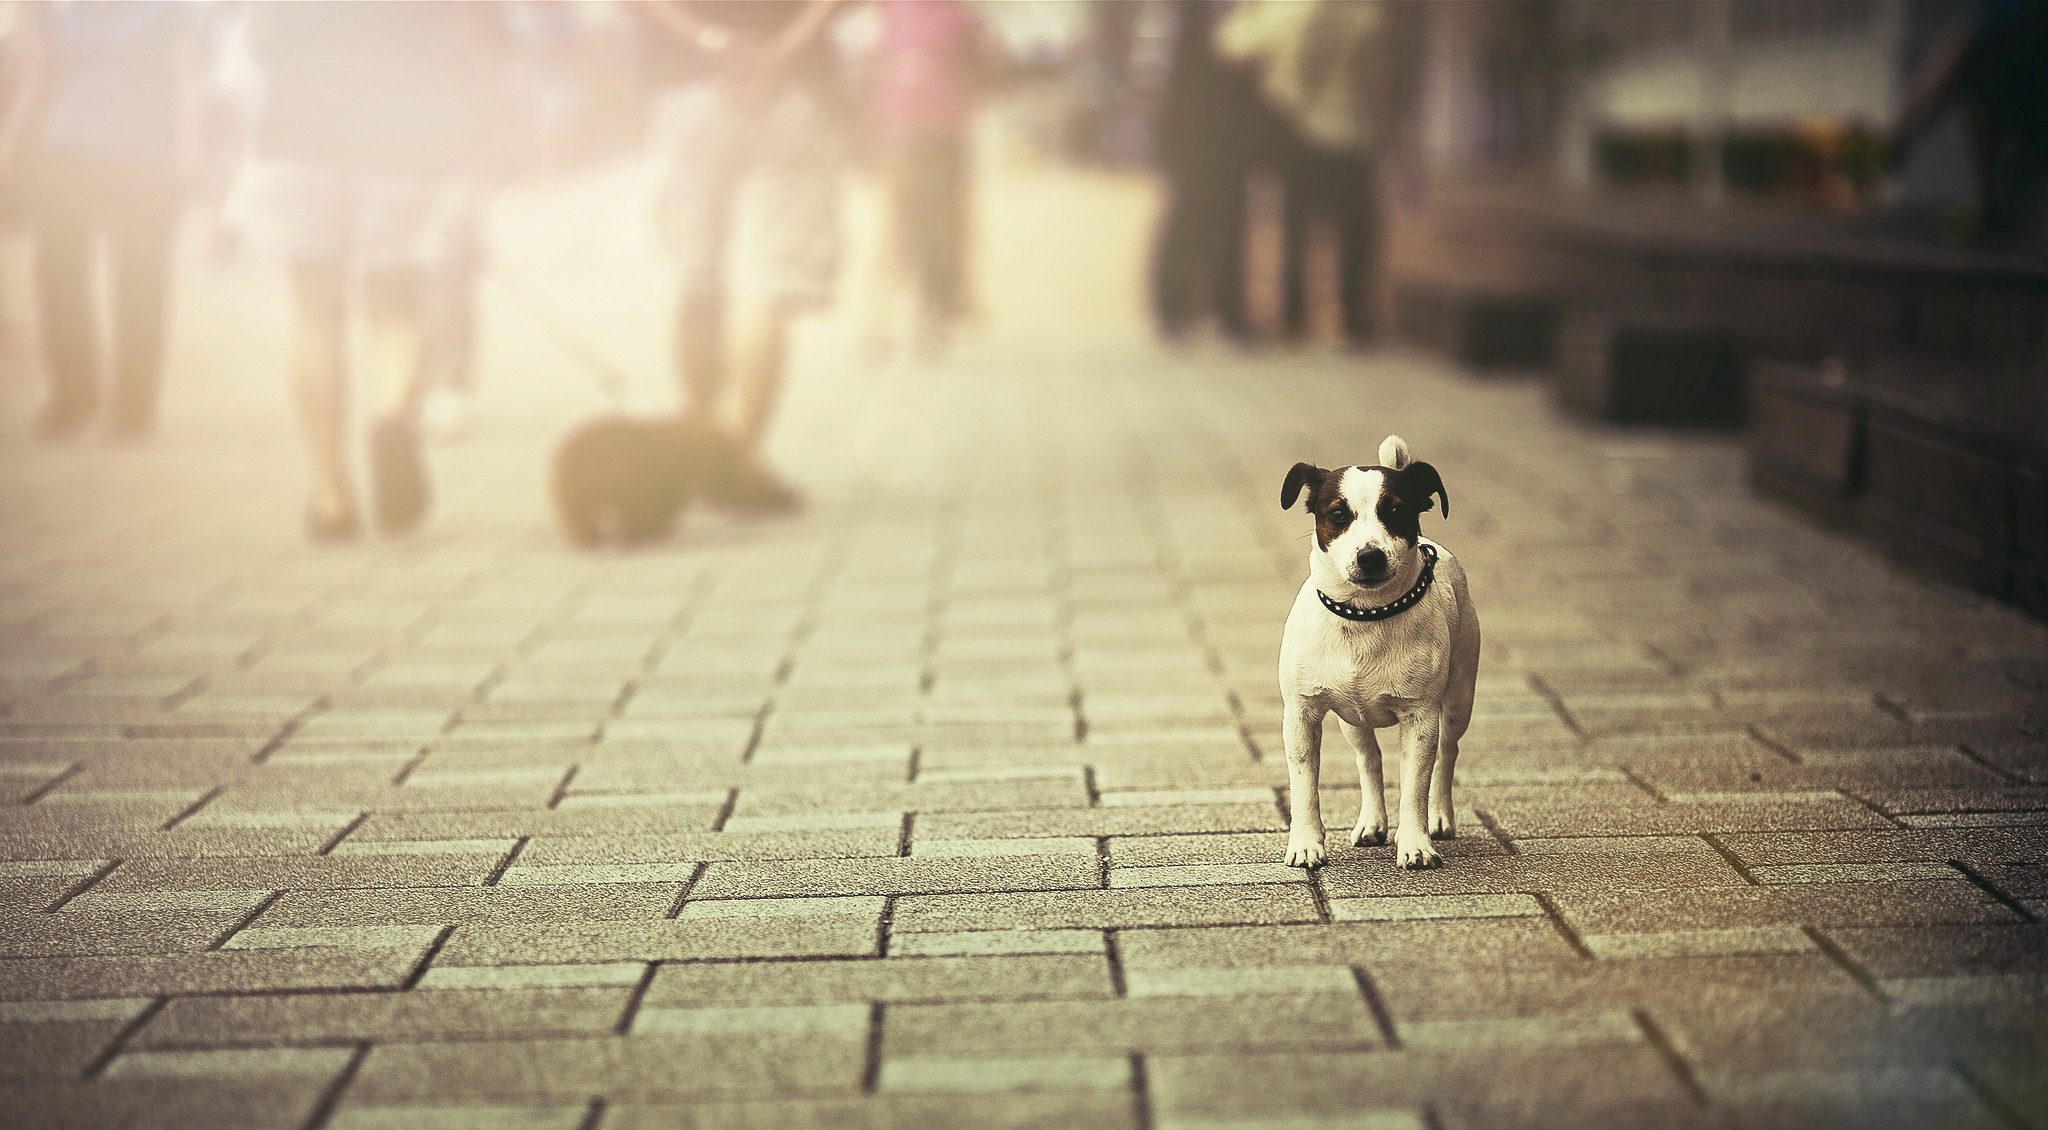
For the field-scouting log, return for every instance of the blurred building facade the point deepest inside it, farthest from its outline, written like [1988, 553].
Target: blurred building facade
[1820, 222]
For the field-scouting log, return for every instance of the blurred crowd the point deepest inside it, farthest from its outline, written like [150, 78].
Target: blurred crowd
[361, 143]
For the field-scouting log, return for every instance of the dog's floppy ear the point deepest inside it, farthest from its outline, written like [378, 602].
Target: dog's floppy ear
[1420, 480]
[1298, 476]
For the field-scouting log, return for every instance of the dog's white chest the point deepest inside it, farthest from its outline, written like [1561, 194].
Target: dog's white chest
[1368, 673]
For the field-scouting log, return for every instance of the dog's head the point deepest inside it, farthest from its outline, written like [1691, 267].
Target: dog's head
[1367, 518]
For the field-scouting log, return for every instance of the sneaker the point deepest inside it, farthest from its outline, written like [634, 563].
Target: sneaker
[747, 486]
[399, 475]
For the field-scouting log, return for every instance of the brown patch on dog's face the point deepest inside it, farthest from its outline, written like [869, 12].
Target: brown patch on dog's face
[1333, 513]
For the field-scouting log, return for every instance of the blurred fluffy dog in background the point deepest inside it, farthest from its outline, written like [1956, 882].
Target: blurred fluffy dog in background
[625, 480]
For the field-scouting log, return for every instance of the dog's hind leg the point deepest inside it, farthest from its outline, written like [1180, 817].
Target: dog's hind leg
[1302, 732]
[1372, 801]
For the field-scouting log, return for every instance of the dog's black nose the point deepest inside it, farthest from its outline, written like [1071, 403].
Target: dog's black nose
[1372, 562]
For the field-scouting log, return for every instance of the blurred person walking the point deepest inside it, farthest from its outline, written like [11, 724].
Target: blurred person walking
[1328, 69]
[376, 117]
[754, 155]
[99, 135]
[1213, 130]
[927, 72]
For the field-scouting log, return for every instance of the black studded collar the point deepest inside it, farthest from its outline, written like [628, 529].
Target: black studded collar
[1400, 604]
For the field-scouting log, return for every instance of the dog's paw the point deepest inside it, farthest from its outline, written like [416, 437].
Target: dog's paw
[1442, 826]
[1417, 855]
[1369, 834]
[1304, 852]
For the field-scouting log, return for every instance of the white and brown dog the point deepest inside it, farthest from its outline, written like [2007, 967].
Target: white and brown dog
[1383, 632]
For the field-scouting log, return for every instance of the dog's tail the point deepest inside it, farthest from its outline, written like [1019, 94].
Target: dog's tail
[1394, 452]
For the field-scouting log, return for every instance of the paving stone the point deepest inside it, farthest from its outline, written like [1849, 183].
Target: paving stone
[1855, 873]
[1694, 943]
[1498, 1079]
[554, 851]
[1406, 908]
[1133, 821]
[1167, 906]
[272, 1103]
[897, 876]
[474, 905]
[596, 942]
[1935, 950]
[140, 931]
[969, 1076]
[963, 849]
[1079, 1110]
[472, 1116]
[1205, 874]
[1285, 980]
[1576, 871]
[645, 1068]
[1492, 941]
[1846, 904]
[1016, 977]
[298, 872]
[58, 978]
[1525, 1031]
[231, 1063]
[333, 1018]
[532, 976]
[995, 942]
[356, 937]
[849, 1019]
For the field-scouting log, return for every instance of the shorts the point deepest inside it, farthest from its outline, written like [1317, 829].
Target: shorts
[750, 202]
[369, 220]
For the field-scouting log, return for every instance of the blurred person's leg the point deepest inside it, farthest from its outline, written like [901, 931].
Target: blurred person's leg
[942, 269]
[1175, 260]
[394, 340]
[1306, 175]
[449, 318]
[694, 210]
[64, 238]
[791, 212]
[320, 375]
[140, 251]
[1226, 251]
[1357, 206]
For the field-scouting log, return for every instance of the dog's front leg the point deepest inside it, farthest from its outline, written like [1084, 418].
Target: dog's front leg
[1301, 730]
[1418, 760]
[1372, 786]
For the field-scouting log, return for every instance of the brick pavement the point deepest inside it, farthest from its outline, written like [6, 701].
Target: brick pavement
[959, 801]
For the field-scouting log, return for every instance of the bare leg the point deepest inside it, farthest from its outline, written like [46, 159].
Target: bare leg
[319, 371]
[1418, 759]
[760, 331]
[394, 350]
[1372, 802]
[1302, 733]
[395, 344]
[700, 353]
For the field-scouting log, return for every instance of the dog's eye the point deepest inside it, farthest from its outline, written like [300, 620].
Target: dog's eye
[1340, 515]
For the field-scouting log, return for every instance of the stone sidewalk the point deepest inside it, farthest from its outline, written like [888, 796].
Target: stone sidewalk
[959, 800]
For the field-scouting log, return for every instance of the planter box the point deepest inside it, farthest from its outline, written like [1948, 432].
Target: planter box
[1483, 330]
[1939, 497]
[1806, 437]
[2030, 539]
[1634, 369]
